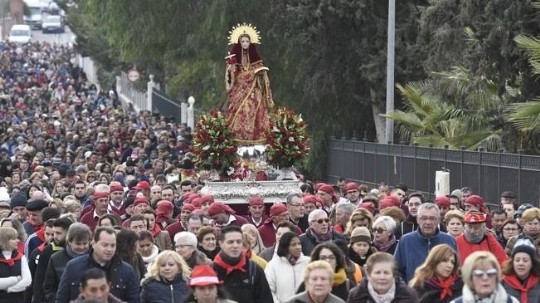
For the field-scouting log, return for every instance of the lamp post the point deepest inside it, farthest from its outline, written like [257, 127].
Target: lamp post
[390, 69]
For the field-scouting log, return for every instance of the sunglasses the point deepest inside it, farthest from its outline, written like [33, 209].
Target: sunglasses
[480, 273]
[320, 221]
[378, 230]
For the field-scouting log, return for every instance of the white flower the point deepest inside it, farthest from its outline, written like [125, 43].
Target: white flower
[291, 139]
[230, 171]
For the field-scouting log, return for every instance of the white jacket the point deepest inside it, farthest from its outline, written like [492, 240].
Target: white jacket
[283, 278]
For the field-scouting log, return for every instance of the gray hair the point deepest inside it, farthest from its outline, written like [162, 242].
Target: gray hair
[314, 214]
[190, 238]
[290, 197]
[388, 223]
[102, 187]
[347, 207]
[429, 206]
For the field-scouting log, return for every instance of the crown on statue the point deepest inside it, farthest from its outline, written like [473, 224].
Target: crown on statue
[247, 29]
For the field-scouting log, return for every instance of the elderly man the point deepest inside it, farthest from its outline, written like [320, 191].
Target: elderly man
[319, 231]
[475, 238]
[223, 215]
[185, 244]
[101, 203]
[326, 193]
[343, 212]
[278, 214]
[413, 248]
[256, 211]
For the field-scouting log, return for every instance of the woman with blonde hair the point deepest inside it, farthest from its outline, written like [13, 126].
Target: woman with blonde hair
[481, 274]
[437, 280]
[254, 238]
[14, 269]
[17, 225]
[166, 280]
[359, 217]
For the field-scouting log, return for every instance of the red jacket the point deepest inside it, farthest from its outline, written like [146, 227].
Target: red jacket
[489, 243]
[175, 228]
[268, 233]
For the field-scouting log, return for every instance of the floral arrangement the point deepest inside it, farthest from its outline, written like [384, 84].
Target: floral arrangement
[214, 145]
[287, 140]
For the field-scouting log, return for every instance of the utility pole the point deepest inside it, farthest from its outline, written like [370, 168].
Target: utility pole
[391, 48]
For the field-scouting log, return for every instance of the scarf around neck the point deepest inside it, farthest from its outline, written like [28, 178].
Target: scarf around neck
[230, 264]
[72, 254]
[443, 285]
[523, 288]
[322, 238]
[385, 246]
[339, 277]
[152, 256]
[15, 256]
[383, 298]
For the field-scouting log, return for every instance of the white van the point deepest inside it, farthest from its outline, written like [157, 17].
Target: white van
[20, 33]
[35, 17]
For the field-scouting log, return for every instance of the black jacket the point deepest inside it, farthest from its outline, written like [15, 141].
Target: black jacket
[55, 268]
[158, 291]
[41, 269]
[404, 294]
[246, 286]
[430, 293]
[309, 242]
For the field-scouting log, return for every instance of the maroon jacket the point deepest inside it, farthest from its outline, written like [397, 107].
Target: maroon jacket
[175, 228]
[268, 233]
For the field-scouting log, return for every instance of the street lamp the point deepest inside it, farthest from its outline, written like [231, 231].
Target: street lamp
[390, 69]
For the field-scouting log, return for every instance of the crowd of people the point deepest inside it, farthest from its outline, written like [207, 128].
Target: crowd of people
[100, 203]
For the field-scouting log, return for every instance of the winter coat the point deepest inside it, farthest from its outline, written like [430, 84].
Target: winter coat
[489, 243]
[110, 299]
[533, 295]
[501, 296]
[159, 291]
[404, 294]
[341, 291]
[284, 278]
[430, 293]
[55, 268]
[413, 249]
[304, 298]
[268, 232]
[123, 282]
[198, 258]
[309, 242]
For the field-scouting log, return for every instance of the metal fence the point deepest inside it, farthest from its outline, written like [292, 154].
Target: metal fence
[487, 173]
[167, 106]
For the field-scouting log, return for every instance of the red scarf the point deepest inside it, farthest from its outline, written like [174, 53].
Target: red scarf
[514, 282]
[12, 261]
[230, 268]
[444, 285]
[156, 230]
[40, 233]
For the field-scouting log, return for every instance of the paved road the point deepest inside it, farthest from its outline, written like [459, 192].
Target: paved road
[64, 38]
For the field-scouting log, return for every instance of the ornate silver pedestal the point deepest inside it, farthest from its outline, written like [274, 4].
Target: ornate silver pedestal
[240, 192]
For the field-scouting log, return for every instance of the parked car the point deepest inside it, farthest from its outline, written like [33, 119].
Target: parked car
[53, 24]
[20, 33]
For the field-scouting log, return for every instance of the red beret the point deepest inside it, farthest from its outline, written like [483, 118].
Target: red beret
[185, 196]
[189, 207]
[475, 200]
[442, 201]
[218, 207]
[475, 218]
[256, 201]
[351, 186]
[277, 209]
[116, 186]
[319, 202]
[310, 199]
[196, 202]
[329, 190]
[100, 195]
[385, 203]
[198, 211]
[206, 199]
[368, 206]
[141, 200]
[164, 207]
[142, 185]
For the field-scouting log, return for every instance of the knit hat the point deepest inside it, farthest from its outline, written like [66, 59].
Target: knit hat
[256, 201]
[524, 245]
[36, 205]
[360, 234]
[442, 201]
[203, 275]
[219, 207]
[351, 186]
[277, 209]
[18, 199]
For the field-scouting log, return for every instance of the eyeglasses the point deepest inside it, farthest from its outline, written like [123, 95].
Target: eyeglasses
[510, 229]
[327, 258]
[182, 246]
[378, 230]
[490, 273]
[320, 221]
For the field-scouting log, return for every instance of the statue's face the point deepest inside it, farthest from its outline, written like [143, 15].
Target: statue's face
[244, 42]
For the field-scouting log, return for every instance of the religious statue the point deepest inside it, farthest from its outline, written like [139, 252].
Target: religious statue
[248, 87]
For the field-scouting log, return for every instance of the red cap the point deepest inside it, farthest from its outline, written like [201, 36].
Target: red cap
[310, 199]
[198, 211]
[253, 201]
[164, 207]
[351, 186]
[203, 275]
[277, 209]
[218, 207]
[442, 201]
[369, 206]
[475, 200]
[385, 203]
[188, 207]
[329, 190]
[116, 186]
[207, 198]
[475, 218]
[140, 200]
[196, 202]
[100, 195]
[142, 185]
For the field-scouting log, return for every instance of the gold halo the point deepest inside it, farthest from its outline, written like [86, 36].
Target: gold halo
[240, 29]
